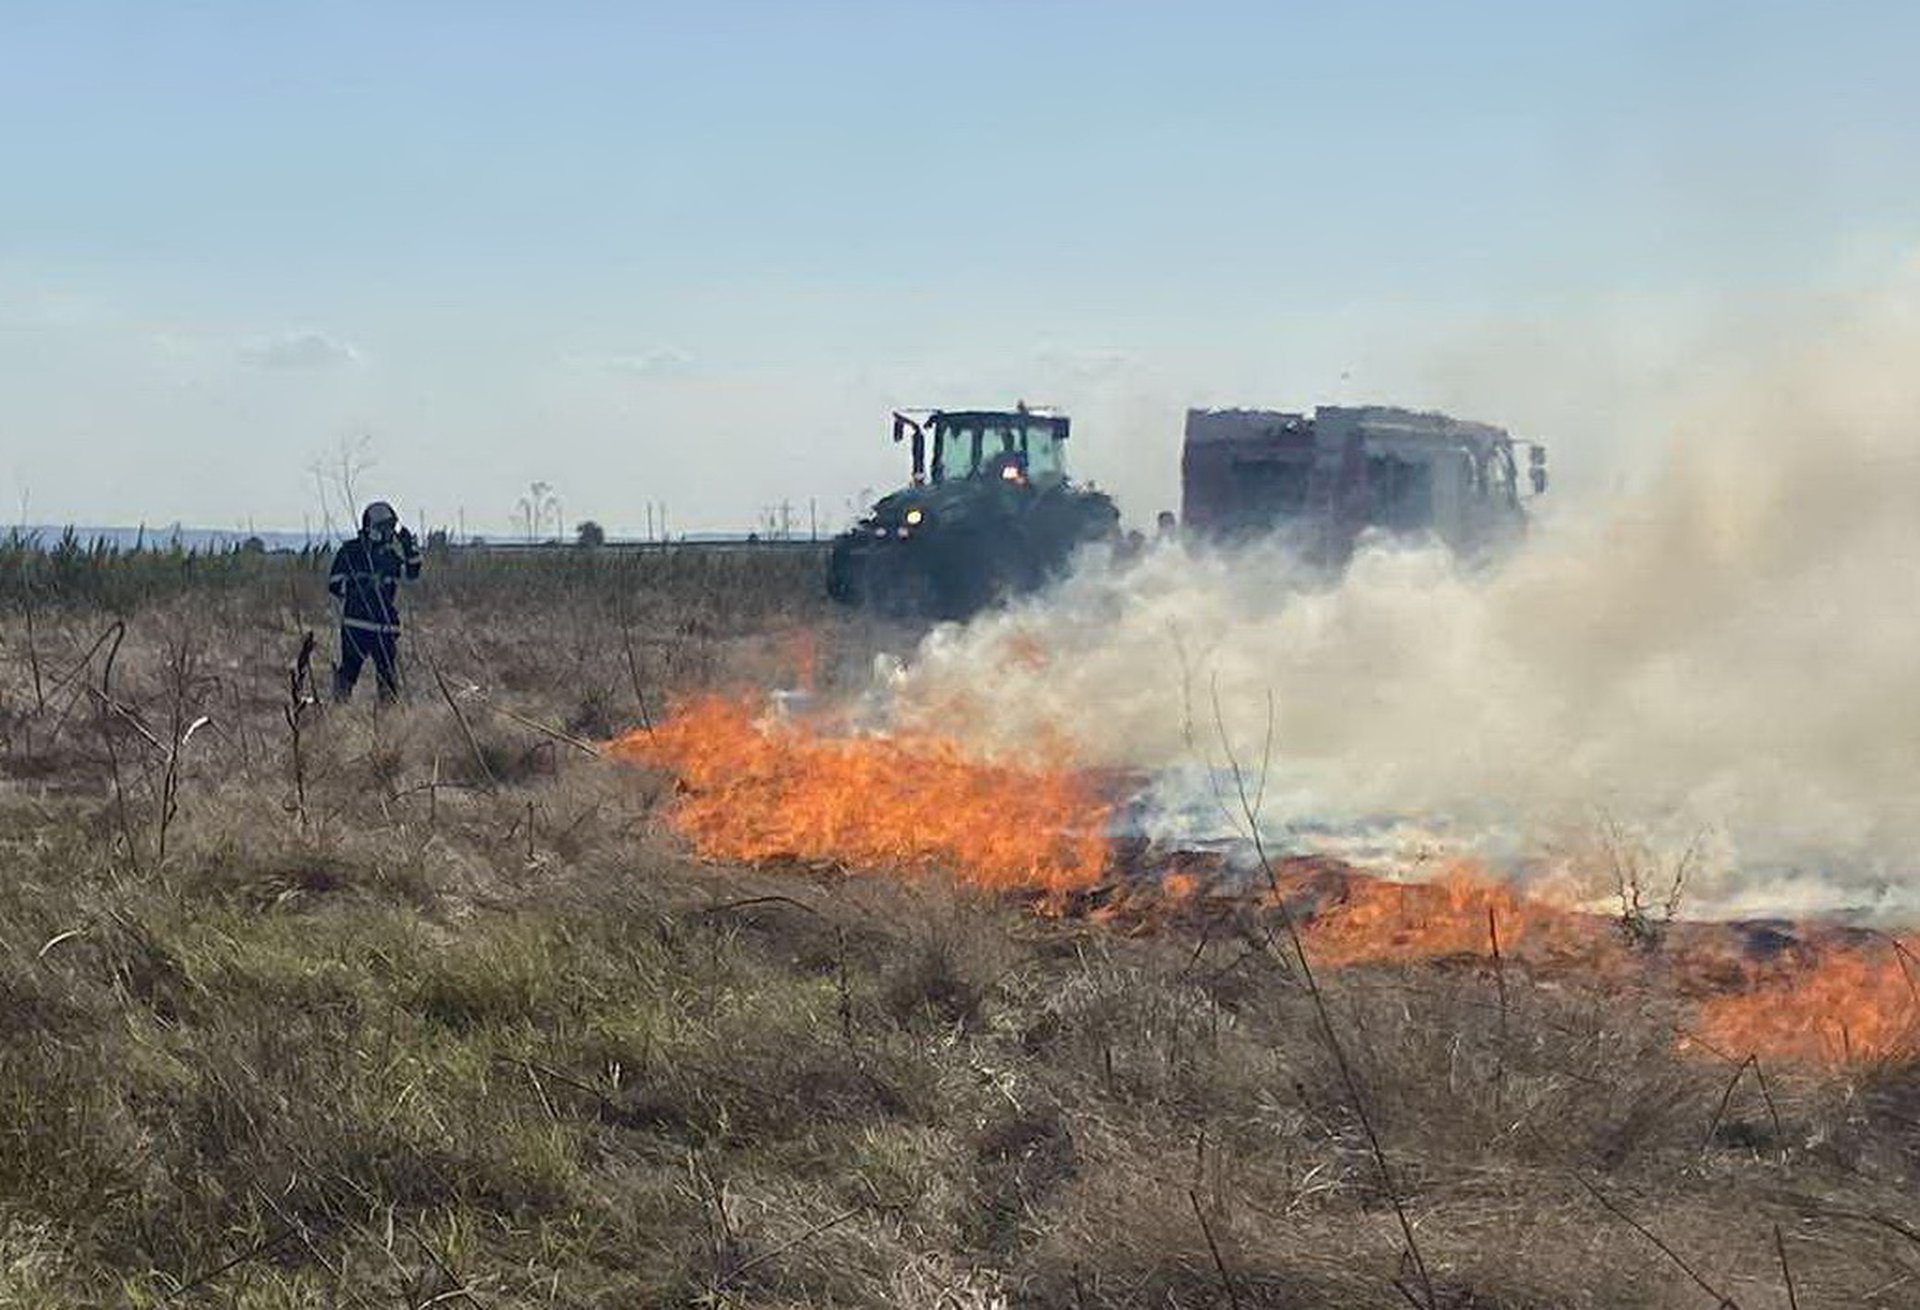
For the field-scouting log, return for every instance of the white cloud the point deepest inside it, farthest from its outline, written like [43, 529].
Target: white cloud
[660, 362]
[303, 349]
[1083, 364]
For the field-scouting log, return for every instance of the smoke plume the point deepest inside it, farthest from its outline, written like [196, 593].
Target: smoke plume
[1727, 655]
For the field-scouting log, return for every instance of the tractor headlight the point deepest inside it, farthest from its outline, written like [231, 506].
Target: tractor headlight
[915, 517]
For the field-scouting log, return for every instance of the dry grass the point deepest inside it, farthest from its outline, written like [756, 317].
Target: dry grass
[467, 1028]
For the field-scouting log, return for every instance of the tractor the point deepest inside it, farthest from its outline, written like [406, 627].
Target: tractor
[989, 513]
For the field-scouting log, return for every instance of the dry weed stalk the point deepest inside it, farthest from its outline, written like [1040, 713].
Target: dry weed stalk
[1250, 812]
[466, 729]
[1721, 1299]
[301, 700]
[633, 667]
[1786, 1269]
[1726, 1098]
[33, 641]
[182, 685]
[1213, 1249]
[1500, 981]
[122, 816]
[75, 677]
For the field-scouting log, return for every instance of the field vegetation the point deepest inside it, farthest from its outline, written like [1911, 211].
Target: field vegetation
[304, 1005]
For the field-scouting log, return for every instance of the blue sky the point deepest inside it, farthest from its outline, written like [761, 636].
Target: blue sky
[692, 253]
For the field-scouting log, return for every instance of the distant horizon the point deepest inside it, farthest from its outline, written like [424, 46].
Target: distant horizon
[194, 537]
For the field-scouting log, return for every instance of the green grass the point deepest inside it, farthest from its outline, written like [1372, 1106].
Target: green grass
[454, 1036]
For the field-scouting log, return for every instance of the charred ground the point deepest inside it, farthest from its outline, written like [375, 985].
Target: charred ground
[431, 1007]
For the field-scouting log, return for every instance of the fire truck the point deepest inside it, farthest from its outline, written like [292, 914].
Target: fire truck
[1320, 480]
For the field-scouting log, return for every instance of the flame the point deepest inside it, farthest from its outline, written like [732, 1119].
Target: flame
[1463, 912]
[767, 791]
[1844, 1004]
[1817, 996]
[1179, 885]
[772, 791]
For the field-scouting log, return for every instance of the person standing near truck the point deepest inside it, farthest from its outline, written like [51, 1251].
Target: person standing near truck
[365, 576]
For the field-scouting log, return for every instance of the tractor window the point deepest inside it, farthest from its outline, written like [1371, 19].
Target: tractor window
[961, 450]
[1043, 452]
[955, 453]
[1000, 447]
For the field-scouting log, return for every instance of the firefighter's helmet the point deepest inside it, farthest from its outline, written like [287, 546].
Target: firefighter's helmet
[379, 520]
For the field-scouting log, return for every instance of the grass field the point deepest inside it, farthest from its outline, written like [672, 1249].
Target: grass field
[306, 1006]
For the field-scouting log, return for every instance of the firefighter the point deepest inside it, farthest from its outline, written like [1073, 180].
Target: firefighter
[365, 575]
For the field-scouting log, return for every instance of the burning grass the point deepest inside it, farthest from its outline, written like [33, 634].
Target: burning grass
[763, 791]
[1811, 994]
[1837, 1000]
[774, 790]
[445, 1034]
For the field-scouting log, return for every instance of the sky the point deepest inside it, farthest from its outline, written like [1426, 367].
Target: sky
[689, 255]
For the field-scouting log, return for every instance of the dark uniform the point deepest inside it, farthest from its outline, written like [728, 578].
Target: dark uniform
[365, 575]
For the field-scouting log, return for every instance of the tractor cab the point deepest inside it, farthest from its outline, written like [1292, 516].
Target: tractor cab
[989, 513]
[1018, 446]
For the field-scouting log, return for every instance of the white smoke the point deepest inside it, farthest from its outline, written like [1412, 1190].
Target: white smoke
[1733, 649]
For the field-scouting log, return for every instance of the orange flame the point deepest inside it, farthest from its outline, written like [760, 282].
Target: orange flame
[757, 791]
[1822, 998]
[1463, 912]
[1849, 1003]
